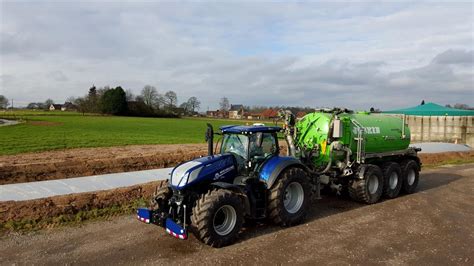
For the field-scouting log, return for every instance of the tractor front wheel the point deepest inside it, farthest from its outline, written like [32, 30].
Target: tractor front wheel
[217, 217]
[289, 197]
[160, 199]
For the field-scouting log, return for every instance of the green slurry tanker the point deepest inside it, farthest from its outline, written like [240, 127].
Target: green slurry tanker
[363, 154]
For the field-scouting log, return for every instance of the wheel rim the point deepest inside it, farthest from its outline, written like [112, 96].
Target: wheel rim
[293, 197]
[373, 184]
[224, 220]
[393, 180]
[411, 177]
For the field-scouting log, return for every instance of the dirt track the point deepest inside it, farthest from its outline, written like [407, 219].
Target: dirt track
[92, 161]
[432, 226]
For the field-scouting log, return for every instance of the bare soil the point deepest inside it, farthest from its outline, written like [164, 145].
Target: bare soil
[92, 161]
[38, 210]
[430, 227]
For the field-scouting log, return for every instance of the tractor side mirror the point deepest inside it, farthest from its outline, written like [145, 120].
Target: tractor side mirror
[259, 139]
[210, 139]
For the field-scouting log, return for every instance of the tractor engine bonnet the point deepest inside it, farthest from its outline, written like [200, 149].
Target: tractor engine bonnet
[209, 168]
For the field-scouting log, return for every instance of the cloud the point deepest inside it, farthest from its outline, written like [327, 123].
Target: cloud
[455, 57]
[57, 76]
[316, 54]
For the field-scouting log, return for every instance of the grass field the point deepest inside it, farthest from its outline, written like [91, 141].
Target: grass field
[43, 131]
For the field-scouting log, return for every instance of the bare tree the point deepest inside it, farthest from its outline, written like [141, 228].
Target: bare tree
[3, 102]
[224, 104]
[193, 104]
[129, 95]
[150, 95]
[48, 103]
[171, 99]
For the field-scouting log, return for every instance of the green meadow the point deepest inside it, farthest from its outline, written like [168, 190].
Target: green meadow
[45, 130]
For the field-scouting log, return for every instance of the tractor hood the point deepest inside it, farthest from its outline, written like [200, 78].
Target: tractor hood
[205, 169]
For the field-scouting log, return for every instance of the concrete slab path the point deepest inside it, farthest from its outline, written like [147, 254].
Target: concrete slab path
[43, 189]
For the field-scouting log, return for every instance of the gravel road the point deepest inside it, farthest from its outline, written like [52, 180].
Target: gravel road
[432, 226]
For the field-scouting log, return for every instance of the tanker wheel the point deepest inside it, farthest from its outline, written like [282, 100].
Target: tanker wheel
[161, 196]
[217, 217]
[289, 197]
[411, 175]
[392, 179]
[369, 189]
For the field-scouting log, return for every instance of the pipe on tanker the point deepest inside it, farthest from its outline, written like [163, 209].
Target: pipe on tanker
[291, 149]
[328, 166]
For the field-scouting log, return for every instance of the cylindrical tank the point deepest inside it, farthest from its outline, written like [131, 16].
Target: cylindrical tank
[381, 133]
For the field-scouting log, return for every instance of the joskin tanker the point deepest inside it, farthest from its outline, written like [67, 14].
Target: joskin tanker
[364, 155]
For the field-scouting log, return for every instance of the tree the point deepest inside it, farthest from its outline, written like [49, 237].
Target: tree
[171, 99]
[224, 104]
[185, 107]
[129, 95]
[193, 104]
[114, 101]
[3, 102]
[462, 106]
[48, 103]
[81, 104]
[150, 95]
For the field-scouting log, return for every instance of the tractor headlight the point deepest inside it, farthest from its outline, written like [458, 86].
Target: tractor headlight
[188, 177]
[183, 180]
[194, 174]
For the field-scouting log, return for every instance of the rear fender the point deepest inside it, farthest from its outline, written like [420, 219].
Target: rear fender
[275, 166]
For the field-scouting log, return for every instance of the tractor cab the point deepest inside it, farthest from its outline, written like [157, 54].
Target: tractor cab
[250, 145]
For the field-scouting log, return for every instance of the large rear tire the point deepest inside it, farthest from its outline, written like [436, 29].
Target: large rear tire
[411, 175]
[289, 197]
[369, 189]
[217, 217]
[392, 180]
[161, 196]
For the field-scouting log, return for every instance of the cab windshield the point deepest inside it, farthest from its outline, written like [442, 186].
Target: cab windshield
[236, 144]
[255, 145]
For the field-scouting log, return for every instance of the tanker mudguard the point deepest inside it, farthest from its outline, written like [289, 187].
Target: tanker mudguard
[274, 166]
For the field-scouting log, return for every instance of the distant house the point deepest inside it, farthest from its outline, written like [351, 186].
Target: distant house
[236, 111]
[270, 114]
[217, 114]
[300, 114]
[54, 107]
[253, 116]
[68, 106]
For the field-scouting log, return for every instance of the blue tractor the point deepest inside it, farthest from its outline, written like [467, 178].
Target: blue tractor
[248, 179]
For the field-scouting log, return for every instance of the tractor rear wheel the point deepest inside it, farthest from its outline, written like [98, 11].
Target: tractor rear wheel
[161, 196]
[217, 217]
[289, 197]
[370, 187]
[392, 179]
[411, 174]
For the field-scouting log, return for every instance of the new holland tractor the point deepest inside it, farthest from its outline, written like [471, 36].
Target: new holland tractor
[363, 155]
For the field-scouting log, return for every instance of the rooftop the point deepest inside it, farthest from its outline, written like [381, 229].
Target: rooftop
[249, 129]
[432, 109]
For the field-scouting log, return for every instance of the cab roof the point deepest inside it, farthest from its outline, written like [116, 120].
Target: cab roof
[249, 129]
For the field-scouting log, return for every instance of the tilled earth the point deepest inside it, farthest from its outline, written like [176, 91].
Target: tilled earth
[60, 164]
[432, 226]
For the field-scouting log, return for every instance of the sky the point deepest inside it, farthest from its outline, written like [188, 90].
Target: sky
[318, 54]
